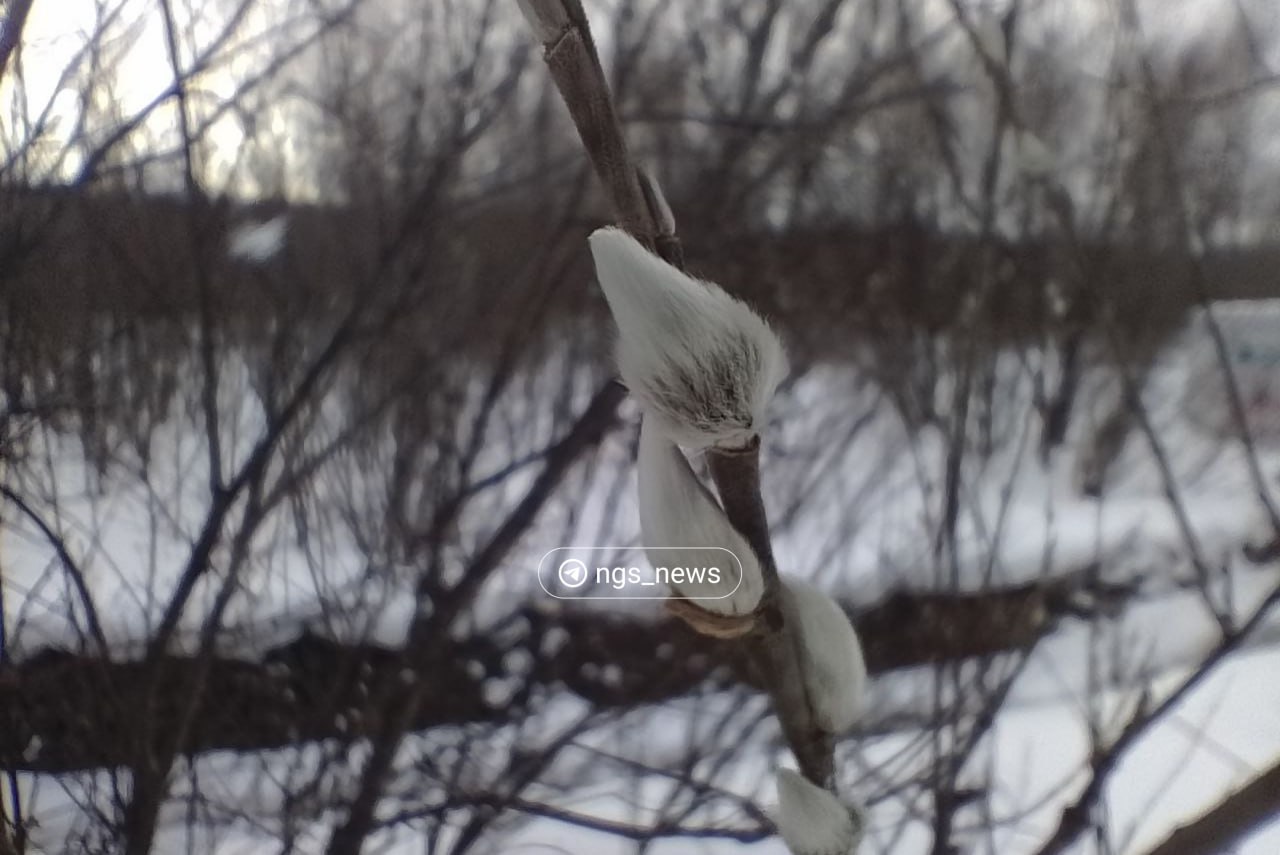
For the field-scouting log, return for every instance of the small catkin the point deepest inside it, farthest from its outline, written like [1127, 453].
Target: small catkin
[833, 669]
[812, 821]
[676, 510]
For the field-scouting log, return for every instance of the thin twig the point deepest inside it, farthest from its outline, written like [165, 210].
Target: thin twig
[1230, 820]
[1075, 819]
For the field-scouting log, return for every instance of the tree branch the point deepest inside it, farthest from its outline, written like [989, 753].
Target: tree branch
[1077, 818]
[1231, 819]
[11, 30]
[52, 718]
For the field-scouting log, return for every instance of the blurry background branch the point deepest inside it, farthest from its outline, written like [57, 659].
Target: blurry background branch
[1078, 817]
[11, 25]
[995, 347]
[317, 688]
[1229, 821]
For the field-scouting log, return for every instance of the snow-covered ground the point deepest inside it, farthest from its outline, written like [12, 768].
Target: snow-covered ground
[856, 498]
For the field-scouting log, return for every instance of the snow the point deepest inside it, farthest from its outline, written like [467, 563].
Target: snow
[258, 241]
[856, 500]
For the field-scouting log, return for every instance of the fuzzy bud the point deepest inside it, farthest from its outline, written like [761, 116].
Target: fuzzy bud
[676, 510]
[701, 364]
[812, 821]
[832, 667]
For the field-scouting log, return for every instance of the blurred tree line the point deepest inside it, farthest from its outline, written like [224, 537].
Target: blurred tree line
[269, 510]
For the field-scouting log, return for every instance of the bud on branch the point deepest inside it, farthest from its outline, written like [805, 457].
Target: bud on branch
[676, 510]
[701, 364]
[813, 821]
[832, 667]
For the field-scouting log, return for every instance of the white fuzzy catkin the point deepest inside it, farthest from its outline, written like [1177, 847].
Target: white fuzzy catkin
[832, 668]
[701, 364]
[676, 510]
[813, 821]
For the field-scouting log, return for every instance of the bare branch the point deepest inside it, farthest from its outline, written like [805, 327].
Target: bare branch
[309, 688]
[11, 27]
[1229, 821]
[1076, 818]
[571, 58]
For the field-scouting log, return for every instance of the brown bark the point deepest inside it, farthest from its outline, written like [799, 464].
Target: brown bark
[61, 712]
[1230, 820]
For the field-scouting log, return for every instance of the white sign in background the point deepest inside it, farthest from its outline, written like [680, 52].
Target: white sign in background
[1251, 332]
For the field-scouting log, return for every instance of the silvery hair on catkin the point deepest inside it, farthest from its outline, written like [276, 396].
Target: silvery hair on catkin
[702, 364]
